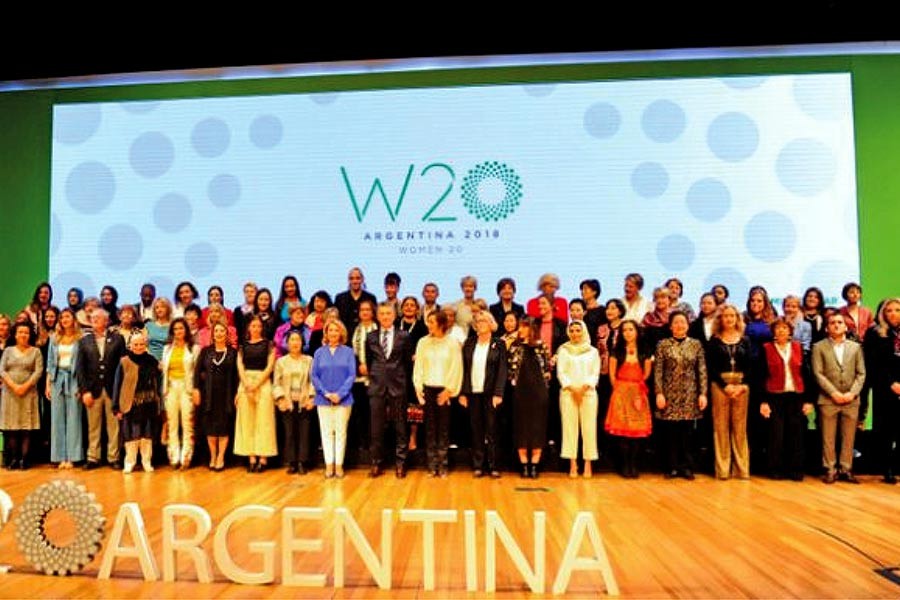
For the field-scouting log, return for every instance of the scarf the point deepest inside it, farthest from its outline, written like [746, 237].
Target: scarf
[583, 346]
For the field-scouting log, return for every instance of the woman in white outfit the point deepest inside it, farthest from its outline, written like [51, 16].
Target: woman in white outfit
[578, 370]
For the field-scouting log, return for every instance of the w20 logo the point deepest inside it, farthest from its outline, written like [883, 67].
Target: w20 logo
[489, 173]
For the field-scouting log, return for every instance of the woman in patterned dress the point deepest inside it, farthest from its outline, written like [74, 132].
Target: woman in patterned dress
[628, 417]
[680, 379]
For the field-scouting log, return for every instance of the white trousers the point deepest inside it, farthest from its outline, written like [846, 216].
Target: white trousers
[180, 411]
[573, 416]
[333, 427]
[145, 446]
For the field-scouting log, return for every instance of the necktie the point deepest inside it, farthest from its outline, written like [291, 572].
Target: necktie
[384, 343]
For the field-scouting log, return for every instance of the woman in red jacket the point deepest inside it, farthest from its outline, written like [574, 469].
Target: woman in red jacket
[784, 405]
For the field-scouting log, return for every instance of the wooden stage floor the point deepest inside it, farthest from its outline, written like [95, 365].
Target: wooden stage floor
[700, 539]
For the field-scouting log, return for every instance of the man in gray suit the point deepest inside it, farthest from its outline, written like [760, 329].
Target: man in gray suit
[840, 372]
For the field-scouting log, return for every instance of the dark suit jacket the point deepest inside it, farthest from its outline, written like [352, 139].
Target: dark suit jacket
[388, 375]
[560, 336]
[696, 331]
[498, 313]
[494, 370]
[95, 375]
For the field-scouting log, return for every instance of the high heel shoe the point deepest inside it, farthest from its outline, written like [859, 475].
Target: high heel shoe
[526, 471]
[533, 471]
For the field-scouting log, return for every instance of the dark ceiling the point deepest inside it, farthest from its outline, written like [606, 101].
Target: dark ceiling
[90, 52]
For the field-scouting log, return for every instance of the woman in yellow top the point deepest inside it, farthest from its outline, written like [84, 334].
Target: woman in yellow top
[178, 360]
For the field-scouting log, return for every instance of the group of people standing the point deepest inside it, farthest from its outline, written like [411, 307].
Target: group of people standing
[578, 376]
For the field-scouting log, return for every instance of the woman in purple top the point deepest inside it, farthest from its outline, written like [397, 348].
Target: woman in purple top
[333, 373]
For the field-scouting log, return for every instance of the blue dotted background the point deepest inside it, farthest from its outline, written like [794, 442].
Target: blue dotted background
[737, 180]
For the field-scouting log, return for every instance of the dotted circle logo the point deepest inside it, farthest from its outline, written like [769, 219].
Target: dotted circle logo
[486, 171]
[81, 506]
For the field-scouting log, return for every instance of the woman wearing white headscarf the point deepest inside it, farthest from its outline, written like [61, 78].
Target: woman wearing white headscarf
[578, 369]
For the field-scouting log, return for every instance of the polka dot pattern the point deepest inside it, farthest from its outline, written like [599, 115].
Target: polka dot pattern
[210, 137]
[90, 187]
[649, 180]
[602, 120]
[733, 137]
[663, 121]
[120, 247]
[770, 236]
[152, 154]
[77, 124]
[708, 200]
[805, 167]
[266, 131]
[201, 259]
[224, 190]
[172, 213]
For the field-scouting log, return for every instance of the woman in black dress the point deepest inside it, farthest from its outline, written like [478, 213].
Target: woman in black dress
[529, 365]
[215, 386]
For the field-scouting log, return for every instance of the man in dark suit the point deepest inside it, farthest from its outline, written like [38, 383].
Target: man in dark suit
[348, 302]
[838, 366]
[388, 353]
[484, 378]
[99, 353]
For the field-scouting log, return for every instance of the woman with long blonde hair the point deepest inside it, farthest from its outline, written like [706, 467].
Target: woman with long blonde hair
[882, 351]
[729, 363]
[66, 446]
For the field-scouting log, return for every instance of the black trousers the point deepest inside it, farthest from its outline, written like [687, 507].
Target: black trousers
[787, 424]
[383, 410]
[483, 418]
[437, 429]
[886, 426]
[677, 439]
[358, 434]
[297, 424]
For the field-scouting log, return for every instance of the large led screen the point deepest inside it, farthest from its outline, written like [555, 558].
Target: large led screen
[739, 180]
